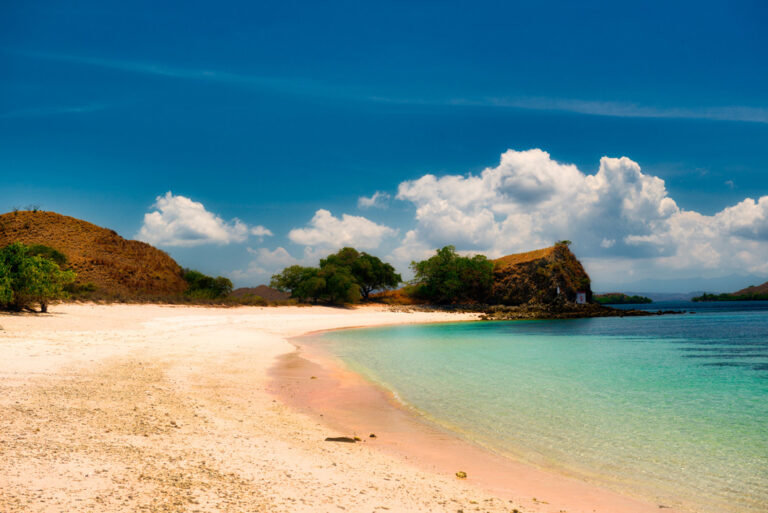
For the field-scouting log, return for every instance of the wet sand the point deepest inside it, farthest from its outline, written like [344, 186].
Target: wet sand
[320, 385]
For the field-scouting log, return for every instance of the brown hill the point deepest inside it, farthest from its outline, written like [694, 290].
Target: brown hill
[754, 289]
[535, 277]
[263, 292]
[98, 255]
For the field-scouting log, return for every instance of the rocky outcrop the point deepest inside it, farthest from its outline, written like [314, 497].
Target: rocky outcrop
[544, 276]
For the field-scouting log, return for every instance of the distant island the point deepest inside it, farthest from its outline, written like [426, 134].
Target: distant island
[752, 293]
[618, 298]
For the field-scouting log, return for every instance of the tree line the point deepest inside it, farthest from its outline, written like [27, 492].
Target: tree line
[32, 275]
[349, 276]
[731, 297]
[343, 277]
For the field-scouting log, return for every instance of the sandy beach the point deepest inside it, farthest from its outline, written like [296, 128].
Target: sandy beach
[167, 408]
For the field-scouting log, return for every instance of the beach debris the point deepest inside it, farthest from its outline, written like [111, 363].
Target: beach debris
[344, 439]
[313, 377]
[461, 474]
[357, 438]
[372, 435]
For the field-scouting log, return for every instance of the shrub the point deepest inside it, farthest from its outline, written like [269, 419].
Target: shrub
[26, 278]
[47, 252]
[248, 300]
[201, 286]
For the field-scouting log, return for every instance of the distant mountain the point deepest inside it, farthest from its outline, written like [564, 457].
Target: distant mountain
[687, 287]
[666, 296]
[263, 292]
[99, 256]
[751, 293]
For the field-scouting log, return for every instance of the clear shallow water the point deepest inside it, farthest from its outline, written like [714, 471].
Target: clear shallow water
[670, 408]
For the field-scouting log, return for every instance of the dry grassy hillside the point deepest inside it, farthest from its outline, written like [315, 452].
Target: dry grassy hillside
[755, 289]
[99, 256]
[521, 258]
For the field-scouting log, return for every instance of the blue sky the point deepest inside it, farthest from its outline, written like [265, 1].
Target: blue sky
[283, 116]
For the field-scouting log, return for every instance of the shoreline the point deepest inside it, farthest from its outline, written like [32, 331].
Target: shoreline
[171, 408]
[313, 380]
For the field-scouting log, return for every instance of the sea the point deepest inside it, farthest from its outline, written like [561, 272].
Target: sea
[672, 409]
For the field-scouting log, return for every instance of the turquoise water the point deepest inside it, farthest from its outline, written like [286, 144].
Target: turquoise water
[673, 409]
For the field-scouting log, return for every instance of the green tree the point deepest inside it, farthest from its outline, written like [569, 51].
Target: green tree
[342, 277]
[345, 257]
[340, 284]
[301, 282]
[369, 272]
[28, 279]
[332, 283]
[448, 277]
[201, 286]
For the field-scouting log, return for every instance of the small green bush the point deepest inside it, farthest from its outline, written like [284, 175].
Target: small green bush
[27, 278]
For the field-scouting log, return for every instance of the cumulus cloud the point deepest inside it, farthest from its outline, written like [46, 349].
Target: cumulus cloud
[180, 221]
[378, 200]
[618, 214]
[323, 234]
[261, 232]
[326, 231]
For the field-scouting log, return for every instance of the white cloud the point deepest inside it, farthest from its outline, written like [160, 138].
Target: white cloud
[261, 232]
[748, 219]
[328, 232]
[323, 235]
[378, 200]
[273, 259]
[180, 221]
[619, 215]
